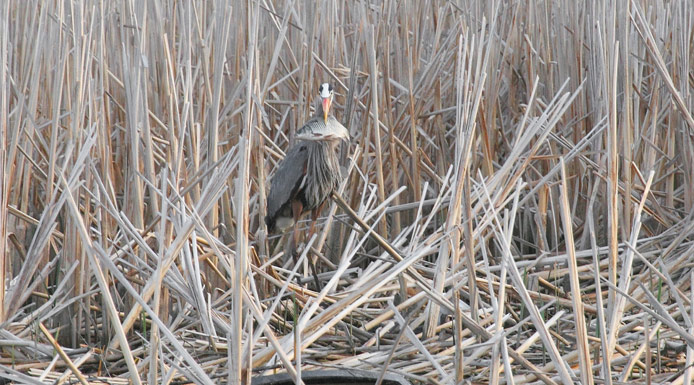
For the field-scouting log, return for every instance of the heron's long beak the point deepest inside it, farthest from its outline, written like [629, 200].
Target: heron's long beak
[326, 108]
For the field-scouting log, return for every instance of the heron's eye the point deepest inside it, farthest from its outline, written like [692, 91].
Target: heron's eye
[325, 90]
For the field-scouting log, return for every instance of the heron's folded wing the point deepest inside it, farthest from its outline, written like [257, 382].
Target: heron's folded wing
[287, 179]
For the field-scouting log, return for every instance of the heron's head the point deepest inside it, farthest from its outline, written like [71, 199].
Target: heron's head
[326, 95]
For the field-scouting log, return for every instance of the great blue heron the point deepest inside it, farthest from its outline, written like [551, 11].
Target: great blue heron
[308, 173]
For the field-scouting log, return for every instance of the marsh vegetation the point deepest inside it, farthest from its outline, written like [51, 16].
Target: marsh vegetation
[525, 170]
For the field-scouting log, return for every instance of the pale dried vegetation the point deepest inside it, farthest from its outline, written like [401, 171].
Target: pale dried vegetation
[517, 201]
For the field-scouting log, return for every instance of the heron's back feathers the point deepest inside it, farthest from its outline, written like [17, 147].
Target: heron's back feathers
[309, 173]
[285, 185]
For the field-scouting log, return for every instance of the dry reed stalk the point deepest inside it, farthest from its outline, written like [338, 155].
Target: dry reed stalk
[380, 180]
[581, 330]
[613, 196]
[415, 163]
[62, 355]
[101, 279]
[238, 366]
[4, 180]
[601, 319]
[534, 313]
[468, 99]
[687, 377]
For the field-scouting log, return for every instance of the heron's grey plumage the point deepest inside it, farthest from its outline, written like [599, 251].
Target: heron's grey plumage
[309, 172]
[285, 184]
[322, 174]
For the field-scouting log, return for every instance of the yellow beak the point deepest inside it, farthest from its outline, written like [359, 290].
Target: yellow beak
[326, 108]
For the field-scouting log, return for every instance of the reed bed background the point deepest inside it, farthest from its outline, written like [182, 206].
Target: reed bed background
[524, 170]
